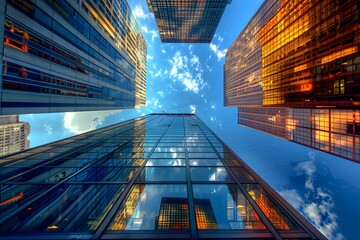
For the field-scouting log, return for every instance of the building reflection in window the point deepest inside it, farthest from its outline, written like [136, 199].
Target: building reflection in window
[272, 211]
[223, 206]
[173, 214]
[140, 210]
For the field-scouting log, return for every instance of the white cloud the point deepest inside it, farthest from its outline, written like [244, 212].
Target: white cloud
[192, 108]
[149, 57]
[139, 12]
[309, 168]
[80, 122]
[163, 51]
[191, 49]
[154, 35]
[316, 203]
[194, 60]
[48, 129]
[190, 77]
[219, 53]
[213, 106]
[161, 93]
[145, 29]
[158, 73]
[219, 38]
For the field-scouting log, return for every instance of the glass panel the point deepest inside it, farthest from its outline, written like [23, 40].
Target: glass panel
[112, 174]
[205, 162]
[169, 149]
[223, 206]
[230, 160]
[241, 174]
[13, 197]
[200, 149]
[202, 155]
[162, 174]
[272, 211]
[168, 155]
[67, 208]
[209, 174]
[153, 207]
[165, 162]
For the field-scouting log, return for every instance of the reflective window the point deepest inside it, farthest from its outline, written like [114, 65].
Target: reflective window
[202, 155]
[205, 162]
[272, 211]
[200, 149]
[168, 155]
[69, 208]
[241, 174]
[153, 207]
[163, 174]
[165, 162]
[209, 174]
[111, 174]
[13, 197]
[223, 206]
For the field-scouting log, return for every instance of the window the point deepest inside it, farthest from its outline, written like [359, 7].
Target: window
[352, 130]
[339, 87]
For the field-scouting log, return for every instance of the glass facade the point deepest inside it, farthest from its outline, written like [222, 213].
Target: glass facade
[62, 56]
[138, 179]
[189, 21]
[295, 67]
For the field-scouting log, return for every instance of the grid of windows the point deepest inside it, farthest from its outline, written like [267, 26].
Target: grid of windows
[302, 55]
[332, 130]
[290, 55]
[187, 21]
[98, 48]
[137, 179]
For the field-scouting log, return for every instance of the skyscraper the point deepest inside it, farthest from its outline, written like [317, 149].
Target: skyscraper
[13, 134]
[293, 72]
[191, 21]
[61, 56]
[157, 176]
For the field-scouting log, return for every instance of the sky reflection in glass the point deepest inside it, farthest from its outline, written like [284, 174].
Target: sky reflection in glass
[211, 174]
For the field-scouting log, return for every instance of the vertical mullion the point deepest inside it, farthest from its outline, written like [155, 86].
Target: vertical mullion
[192, 217]
[127, 189]
[262, 216]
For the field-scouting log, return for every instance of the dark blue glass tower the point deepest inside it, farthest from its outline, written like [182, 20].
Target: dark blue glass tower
[160, 176]
[62, 56]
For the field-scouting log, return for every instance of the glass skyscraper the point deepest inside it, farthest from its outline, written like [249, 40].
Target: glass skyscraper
[191, 21]
[293, 72]
[160, 176]
[61, 56]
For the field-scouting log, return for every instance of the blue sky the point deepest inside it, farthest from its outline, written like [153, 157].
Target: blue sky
[189, 78]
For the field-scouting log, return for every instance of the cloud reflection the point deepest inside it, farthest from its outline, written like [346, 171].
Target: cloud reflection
[317, 203]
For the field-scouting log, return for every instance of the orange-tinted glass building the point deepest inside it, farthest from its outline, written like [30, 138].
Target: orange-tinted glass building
[293, 72]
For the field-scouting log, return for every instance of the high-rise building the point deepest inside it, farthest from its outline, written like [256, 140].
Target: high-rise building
[192, 21]
[160, 176]
[13, 134]
[294, 72]
[61, 56]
